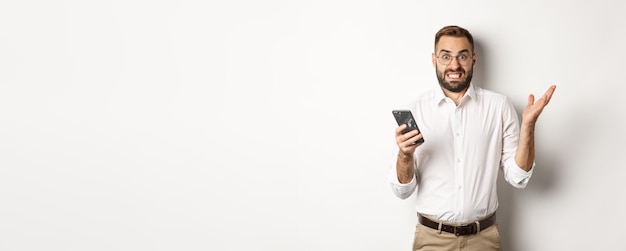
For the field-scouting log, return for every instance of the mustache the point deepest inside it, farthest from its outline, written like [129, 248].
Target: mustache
[460, 69]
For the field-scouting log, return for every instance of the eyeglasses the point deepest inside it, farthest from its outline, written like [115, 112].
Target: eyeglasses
[446, 59]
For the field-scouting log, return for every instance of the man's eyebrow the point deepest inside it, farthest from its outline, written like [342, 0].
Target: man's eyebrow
[447, 51]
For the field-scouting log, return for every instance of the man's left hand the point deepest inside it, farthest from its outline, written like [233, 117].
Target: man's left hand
[534, 109]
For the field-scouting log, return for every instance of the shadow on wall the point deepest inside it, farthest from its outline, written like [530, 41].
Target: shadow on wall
[543, 178]
[542, 183]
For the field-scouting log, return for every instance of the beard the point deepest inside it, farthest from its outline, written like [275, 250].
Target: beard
[455, 86]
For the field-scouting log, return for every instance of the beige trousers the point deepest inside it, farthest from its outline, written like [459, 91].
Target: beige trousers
[428, 239]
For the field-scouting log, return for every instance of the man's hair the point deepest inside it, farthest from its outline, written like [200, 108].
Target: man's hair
[454, 31]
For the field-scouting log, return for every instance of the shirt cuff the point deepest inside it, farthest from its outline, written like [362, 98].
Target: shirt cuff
[402, 190]
[517, 176]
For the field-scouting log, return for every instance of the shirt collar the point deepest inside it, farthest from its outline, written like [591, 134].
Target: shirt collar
[470, 93]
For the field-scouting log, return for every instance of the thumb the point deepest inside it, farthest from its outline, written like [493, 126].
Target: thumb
[531, 99]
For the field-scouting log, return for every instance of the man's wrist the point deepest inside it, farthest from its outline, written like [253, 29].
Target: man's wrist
[405, 156]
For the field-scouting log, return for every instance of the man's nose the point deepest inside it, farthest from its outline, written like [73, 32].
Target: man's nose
[454, 62]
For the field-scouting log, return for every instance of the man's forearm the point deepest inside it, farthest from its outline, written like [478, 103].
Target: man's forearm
[404, 167]
[525, 155]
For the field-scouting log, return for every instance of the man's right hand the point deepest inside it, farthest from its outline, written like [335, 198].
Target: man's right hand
[406, 142]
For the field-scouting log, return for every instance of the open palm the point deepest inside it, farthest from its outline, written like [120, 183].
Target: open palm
[533, 109]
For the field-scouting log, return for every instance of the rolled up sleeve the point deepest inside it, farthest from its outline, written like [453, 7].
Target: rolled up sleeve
[402, 191]
[515, 175]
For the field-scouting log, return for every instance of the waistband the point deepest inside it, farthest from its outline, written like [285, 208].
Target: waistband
[458, 230]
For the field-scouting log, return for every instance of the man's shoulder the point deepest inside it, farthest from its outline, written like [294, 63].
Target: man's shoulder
[422, 98]
[430, 94]
[490, 94]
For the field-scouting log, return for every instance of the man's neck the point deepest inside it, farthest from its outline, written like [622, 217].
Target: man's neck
[455, 96]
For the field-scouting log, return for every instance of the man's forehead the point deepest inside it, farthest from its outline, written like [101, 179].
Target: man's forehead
[453, 44]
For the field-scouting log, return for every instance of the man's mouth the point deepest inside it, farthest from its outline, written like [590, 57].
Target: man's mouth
[454, 75]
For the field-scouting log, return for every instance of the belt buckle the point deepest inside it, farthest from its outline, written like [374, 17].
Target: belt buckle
[465, 230]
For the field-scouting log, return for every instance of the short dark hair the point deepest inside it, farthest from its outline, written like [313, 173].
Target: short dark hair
[454, 31]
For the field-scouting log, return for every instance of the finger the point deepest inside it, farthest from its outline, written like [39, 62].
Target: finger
[410, 149]
[548, 94]
[415, 138]
[531, 100]
[410, 145]
[409, 135]
[401, 138]
[399, 129]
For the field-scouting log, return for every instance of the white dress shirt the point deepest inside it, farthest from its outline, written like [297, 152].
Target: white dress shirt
[456, 168]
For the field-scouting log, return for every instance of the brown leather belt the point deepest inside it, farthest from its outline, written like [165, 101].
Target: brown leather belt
[472, 228]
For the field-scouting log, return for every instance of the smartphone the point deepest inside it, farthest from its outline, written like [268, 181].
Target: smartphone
[406, 117]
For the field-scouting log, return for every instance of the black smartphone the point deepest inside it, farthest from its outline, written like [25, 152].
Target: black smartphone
[406, 117]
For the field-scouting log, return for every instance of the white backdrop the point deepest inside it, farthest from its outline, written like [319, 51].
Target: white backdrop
[266, 125]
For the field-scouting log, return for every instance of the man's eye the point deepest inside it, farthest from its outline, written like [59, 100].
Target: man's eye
[446, 57]
[462, 57]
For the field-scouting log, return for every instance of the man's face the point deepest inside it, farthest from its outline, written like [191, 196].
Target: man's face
[454, 63]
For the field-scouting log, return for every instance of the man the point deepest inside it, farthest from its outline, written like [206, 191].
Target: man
[470, 133]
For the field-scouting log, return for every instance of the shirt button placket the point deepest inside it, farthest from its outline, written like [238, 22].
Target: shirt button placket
[458, 153]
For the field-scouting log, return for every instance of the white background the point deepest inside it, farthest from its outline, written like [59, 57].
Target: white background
[266, 125]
